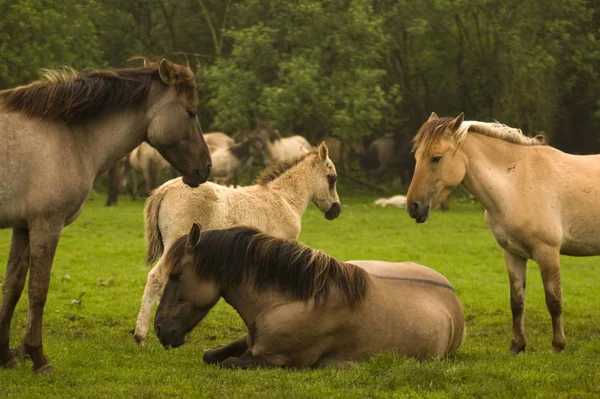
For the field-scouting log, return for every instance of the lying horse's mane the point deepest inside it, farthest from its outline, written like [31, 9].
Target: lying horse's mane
[435, 129]
[272, 172]
[243, 254]
[72, 96]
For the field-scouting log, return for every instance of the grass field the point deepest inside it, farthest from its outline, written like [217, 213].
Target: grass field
[98, 279]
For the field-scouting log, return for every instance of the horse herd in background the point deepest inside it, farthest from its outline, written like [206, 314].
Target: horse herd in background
[301, 307]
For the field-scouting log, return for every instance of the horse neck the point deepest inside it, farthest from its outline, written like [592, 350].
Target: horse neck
[242, 150]
[110, 136]
[489, 168]
[248, 302]
[296, 185]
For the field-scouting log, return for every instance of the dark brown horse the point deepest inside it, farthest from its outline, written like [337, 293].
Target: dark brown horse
[79, 125]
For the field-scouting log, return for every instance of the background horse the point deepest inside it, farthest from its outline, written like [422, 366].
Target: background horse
[274, 205]
[218, 140]
[278, 148]
[148, 162]
[228, 162]
[79, 125]
[539, 202]
[304, 308]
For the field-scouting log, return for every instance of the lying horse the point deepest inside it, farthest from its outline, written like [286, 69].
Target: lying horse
[274, 205]
[304, 308]
[539, 202]
[79, 125]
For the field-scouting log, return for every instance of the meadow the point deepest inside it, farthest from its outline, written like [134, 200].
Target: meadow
[98, 279]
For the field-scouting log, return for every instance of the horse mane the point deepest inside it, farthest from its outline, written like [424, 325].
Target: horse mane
[272, 172]
[243, 254]
[435, 129]
[72, 96]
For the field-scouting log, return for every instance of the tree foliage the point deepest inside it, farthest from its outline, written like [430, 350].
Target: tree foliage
[342, 67]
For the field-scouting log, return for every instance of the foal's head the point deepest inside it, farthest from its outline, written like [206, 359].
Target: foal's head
[439, 167]
[325, 195]
[187, 297]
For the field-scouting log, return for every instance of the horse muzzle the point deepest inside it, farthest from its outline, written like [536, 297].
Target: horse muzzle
[334, 211]
[418, 211]
[197, 177]
[169, 338]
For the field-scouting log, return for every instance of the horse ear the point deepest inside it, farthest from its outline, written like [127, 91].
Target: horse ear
[323, 152]
[194, 236]
[303, 150]
[166, 71]
[455, 124]
[432, 117]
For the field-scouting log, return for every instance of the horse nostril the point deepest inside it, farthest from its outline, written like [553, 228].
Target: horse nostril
[208, 168]
[157, 330]
[413, 207]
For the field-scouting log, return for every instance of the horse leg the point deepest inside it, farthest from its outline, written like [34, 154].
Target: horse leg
[549, 262]
[146, 174]
[14, 281]
[134, 185]
[517, 275]
[245, 361]
[43, 239]
[155, 285]
[235, 349]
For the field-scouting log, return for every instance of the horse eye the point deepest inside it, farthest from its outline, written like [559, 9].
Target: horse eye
[436, 159]
[174, 277]
[331, 179]
[192, 112]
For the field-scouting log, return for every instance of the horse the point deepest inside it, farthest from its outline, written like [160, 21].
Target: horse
[218, 140]
[302, 307]
[275, 204]
[278, 148]
[148, 162]
[539, 202]
[392, 152]
[79, 125]
[228, 162]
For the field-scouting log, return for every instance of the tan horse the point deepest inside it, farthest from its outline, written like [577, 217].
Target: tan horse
[228, 162]
[148, 162]
[304, 308]
[278, 148]
[539, 202]
[274, 205]
[218, 140]
[79, 125]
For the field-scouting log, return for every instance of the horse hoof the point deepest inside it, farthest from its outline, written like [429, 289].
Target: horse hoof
[11, 364]
[139, 339]
[558, 347]
[515, 348]
[45, 369]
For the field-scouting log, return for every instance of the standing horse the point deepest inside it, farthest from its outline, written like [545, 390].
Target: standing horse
[539, 202]
[218, 140]
[148, 162]
[302, 307]
[228, 162]
[79, 125]
[278, 148]
[274, 205]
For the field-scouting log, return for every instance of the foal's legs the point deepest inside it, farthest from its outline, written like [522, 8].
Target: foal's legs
[548, 259]
[234, 349]
[517, 275]
[43, 239]
[154, 288]
[16, 271]
[245, 361]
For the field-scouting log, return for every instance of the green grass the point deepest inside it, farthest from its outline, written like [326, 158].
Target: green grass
[100, 257]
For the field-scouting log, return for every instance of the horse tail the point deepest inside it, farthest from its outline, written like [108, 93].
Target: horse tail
[154, 242]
